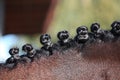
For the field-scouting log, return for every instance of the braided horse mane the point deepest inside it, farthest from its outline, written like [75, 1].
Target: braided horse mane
[96, 62]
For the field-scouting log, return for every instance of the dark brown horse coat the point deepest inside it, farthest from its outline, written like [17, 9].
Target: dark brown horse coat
[98, 62]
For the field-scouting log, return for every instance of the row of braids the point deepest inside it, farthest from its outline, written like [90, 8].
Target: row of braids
[82, 39]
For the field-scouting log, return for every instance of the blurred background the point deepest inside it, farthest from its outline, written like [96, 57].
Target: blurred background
[22, 21]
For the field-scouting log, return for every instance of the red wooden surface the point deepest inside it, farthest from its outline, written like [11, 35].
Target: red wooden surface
[25, 16]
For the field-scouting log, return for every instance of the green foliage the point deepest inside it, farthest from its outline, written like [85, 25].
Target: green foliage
[69, 14]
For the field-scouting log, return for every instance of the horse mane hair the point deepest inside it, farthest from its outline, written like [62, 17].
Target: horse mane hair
[95, 62]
